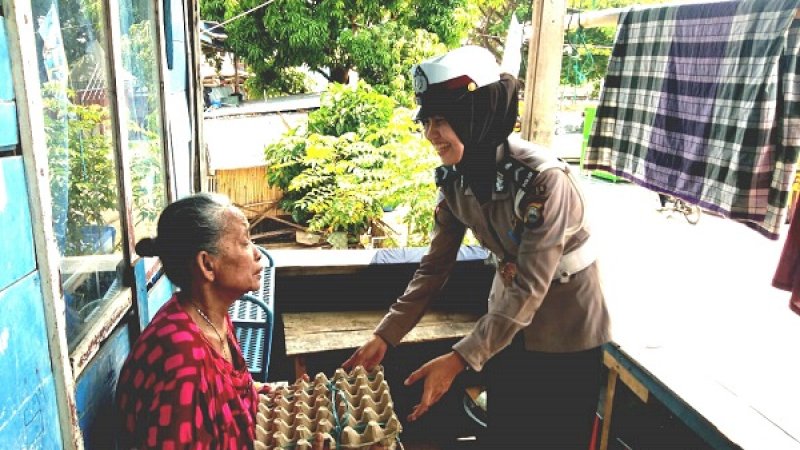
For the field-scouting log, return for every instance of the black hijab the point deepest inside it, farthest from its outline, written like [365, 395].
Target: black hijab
[483, 119]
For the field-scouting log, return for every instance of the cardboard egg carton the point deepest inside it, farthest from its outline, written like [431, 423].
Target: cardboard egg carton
[351, 411]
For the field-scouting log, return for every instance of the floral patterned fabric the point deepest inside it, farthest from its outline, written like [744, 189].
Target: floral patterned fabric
[177, 392]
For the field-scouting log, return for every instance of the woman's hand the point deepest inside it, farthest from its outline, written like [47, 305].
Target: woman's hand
[439, 374]
[368, 355]
[262, 388]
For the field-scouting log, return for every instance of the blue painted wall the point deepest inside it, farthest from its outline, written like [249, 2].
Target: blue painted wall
[158, 295]
[28, 410]
[16, 245]
[94, 393]
[9, 134]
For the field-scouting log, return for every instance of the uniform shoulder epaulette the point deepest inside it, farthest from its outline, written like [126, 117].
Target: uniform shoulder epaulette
[523, 176]
[446, 175]
[520, 174]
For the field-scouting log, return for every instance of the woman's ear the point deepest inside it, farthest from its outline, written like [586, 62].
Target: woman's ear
[205, 264]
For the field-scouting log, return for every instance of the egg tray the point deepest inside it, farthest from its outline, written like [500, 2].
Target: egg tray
[347, 411]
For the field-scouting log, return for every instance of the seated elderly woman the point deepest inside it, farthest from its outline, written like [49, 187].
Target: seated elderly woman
[185, 383]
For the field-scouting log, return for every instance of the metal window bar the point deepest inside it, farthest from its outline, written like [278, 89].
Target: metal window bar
[253, 320]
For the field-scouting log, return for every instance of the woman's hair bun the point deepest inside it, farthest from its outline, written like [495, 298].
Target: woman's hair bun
[147, 247]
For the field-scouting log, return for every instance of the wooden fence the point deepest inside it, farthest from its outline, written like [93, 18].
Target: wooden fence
[248, 188]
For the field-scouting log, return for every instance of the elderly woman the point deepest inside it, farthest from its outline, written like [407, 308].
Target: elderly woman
[185, 383]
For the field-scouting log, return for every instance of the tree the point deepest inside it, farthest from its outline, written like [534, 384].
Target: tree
[493, 17]
[587, 50]
[331, 37]
[358, 154]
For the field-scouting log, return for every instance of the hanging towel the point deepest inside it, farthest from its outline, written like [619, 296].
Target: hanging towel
[787, 275]
[703, 102]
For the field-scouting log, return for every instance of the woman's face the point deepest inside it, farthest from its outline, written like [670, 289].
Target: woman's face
[447, 144]
[238, 268]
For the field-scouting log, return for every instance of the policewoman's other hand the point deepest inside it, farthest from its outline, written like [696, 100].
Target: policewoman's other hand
[368, 355]
[439, 374]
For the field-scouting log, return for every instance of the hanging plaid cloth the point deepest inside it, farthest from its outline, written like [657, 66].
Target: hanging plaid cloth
[703, 102]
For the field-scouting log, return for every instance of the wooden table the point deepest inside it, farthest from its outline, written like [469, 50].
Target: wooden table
[316, 332]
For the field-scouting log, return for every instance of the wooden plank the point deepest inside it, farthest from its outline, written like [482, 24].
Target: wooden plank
[324, 331]
[101, 327]
[608, 408]
[90, 263]
[271, 234]
[544, 71]
[626, 376]
[286, 222]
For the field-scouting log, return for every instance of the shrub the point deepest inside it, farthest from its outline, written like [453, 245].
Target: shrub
[358, 154]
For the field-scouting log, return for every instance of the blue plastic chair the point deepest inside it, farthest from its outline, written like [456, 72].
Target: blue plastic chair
[253, 320]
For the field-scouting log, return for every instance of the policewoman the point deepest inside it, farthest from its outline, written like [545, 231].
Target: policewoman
[539, 343]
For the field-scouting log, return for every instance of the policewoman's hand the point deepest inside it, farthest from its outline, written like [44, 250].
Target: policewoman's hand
[439, 374]
[368, 355]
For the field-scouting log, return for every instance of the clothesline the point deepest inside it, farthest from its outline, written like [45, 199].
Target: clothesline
[610, 17]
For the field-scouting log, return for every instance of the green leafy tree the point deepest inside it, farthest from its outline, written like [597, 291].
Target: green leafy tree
[82, 175]
[587, 50]
[358, 154]
[492, 18]
[379, 39]
[79, 157]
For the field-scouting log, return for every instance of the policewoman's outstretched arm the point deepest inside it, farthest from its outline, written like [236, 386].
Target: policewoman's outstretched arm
[368, 355]
[438, 374]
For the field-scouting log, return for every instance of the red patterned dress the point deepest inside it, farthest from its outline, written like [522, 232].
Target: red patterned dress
[177, 392]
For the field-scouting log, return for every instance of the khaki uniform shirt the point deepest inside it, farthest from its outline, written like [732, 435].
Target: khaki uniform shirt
[555, 315]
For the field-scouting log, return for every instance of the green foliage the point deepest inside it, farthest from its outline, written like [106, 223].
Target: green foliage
[492, 18]
[445, 18]
[272, 84]
[587, 58]
[376, 38]
[343, 110]
[586, 63]
[358, 154]
[590, 49]
[149, 197]
[388, 70]
[83, 181]
[79, 157]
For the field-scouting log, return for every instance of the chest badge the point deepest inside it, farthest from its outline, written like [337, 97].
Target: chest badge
[533, 215]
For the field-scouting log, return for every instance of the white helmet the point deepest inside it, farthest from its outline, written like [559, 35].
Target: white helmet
[458, 71]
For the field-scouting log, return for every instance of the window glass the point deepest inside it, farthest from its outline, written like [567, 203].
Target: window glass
[71, 52]
[141, 88]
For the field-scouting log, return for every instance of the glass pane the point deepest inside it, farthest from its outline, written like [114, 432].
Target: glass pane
[71, 53]
[141, 87]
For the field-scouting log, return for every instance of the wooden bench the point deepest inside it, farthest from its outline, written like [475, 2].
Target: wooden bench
[315, 332]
